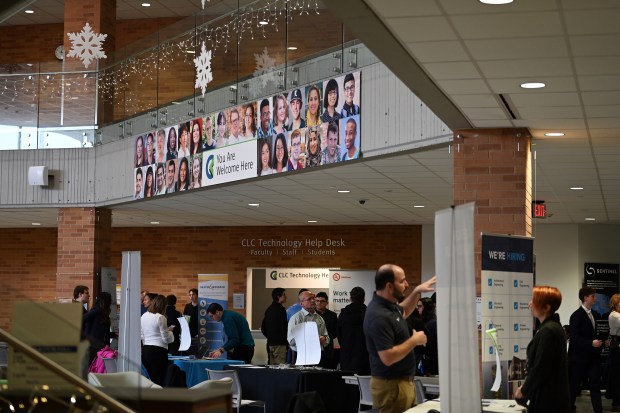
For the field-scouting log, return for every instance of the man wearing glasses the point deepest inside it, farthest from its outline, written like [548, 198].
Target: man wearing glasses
[307, 314]
[349, 108]
[234, 127]
[294, 162]
[328, 359]
[266, 126]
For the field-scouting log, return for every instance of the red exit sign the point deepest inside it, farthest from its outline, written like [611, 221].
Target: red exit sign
[539, 209]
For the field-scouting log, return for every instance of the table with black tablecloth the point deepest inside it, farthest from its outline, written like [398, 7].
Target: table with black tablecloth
[275, 386]
[196, 370]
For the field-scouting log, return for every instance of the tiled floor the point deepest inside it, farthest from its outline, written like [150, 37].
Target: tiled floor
[584, 406]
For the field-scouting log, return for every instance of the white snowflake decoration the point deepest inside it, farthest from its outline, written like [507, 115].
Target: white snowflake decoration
[87, 45]
[265, 67]
[203, 4]
[203, 69]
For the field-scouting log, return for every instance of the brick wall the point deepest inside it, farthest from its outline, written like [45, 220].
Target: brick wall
[171, 257]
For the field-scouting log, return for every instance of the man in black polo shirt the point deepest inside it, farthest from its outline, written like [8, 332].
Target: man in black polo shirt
[389, 341]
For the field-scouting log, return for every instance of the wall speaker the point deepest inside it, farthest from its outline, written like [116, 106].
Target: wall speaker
[37, 176]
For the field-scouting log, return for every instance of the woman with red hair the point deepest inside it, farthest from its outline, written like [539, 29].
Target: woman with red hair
[546, 382]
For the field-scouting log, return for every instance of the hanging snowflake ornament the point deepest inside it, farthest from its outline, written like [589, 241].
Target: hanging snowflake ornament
[203, 69]
[203, 4]
[265, 67]
[87, 45]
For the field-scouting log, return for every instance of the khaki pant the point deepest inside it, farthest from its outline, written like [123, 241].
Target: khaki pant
[277, 354]
[392, 395]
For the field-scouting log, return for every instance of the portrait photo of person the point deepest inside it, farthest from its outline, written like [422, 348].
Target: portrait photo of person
[264, 156]
[171, 176]
[195, 145]
[280, 113]
[313, 102]
[280, 155]
[350, 138]
[160, 178]
[330, 101]
[331, 151]
[249, 121]
[138, 158]
[313, 147]
[172, 151]
[196, 181]
[149, 183]
[150, 149]
[160, 139]
[183, 140]
[350, 106]
[297, 157]
[234, 126]
[138, 179]
[183, 178]
[265, 125]
[221, 139]
[208, 142]
[296, 111]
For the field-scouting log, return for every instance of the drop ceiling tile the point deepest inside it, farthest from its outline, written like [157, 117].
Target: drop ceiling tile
[601, 98]
[476, 101]
[526, 68]
[452, 70]
[605, 122]
[606, 65]
[588, 22]
[448, 51]
[541, 24]
[400, 8]
[557, 112]
[536, 99]
[522, 48]
[594, 45]
[413, 29]
[554, 84]
[461, 87]
[557, 124]
[606, 111]
[477, 114]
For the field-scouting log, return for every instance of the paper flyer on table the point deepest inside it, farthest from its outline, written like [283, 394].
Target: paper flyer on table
[308, 345]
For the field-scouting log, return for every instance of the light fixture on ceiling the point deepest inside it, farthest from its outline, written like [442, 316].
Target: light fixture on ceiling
[533, 85]
[576, 188]
[590, 219]
[494, 2]
[36, 224]
[146, 4]
[554, 134]
[343, 191]
[263, 23]
[418, 206]
[190, 51]
[254, 205]
[154, 222]
[312, 221]
[29, 11]
[292, 48]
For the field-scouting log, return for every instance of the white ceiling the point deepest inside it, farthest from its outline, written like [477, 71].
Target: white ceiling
[468, 53]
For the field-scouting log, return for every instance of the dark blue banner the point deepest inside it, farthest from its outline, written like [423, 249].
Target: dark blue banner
[505, 253]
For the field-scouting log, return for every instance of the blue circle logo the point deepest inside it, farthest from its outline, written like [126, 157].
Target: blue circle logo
[209, 166]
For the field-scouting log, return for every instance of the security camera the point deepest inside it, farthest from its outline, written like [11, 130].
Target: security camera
[362, 201]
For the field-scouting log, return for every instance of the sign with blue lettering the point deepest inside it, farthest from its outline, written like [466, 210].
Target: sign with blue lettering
[512, 254]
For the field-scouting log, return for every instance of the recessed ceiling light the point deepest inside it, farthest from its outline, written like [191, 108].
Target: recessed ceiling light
[292, 48]
[146, 4]
[533, 85]
[590, 219]
[154, 222]
[554, 134]
[312, 221]
[496, 1]
[190, 51]
[576, 188]
[343, 191]
[29, 11]
[418, 206]
[253, 205]
[263, 23]
[36, 224]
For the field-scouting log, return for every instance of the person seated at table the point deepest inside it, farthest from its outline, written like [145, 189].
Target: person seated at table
[240, 344]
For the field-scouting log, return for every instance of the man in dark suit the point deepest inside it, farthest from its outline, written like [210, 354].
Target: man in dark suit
[584, 350]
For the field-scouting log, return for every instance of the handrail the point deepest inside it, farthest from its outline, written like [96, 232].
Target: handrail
[62, 372]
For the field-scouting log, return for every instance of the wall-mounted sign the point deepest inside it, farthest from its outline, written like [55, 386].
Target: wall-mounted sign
[539, 209]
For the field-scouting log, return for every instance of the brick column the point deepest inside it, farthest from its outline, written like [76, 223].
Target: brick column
[83, 248]
[492, 167]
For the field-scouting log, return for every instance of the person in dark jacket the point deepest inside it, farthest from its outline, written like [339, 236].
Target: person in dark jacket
[274, 327]
[97, 324]
[329, 358]
[172, 316]
[546, 381]
[353, 352]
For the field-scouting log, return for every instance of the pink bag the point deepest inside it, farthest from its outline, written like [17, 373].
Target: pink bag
[97, 365]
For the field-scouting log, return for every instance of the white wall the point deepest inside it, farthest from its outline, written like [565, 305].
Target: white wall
[561, 251]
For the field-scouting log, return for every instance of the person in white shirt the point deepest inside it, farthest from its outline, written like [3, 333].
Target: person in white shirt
[156, 335]
[234, 127]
